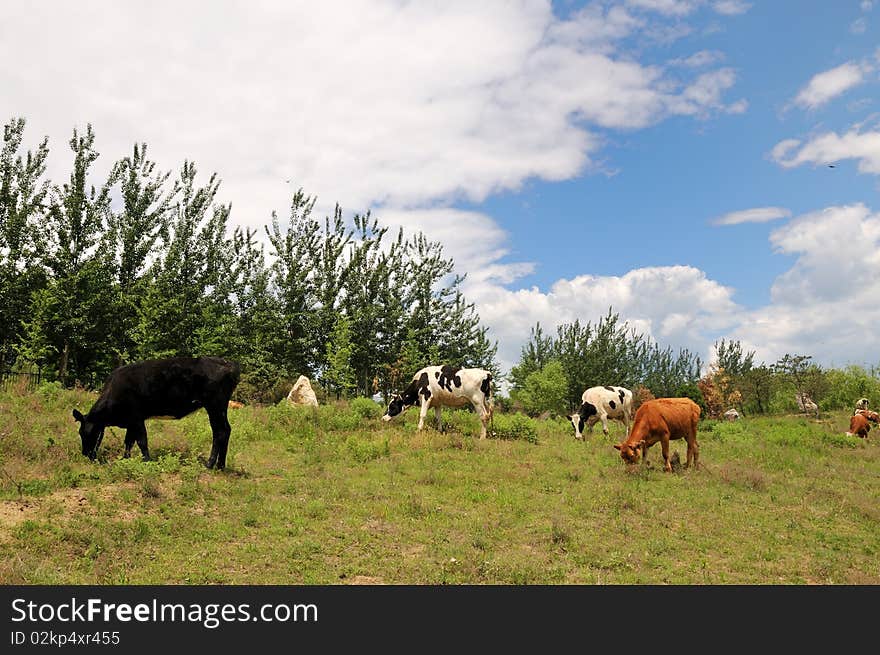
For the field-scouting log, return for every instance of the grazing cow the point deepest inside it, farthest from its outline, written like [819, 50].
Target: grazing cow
[861, 403]
[859, 426]
[162, 388]
[601, 404]
[874, 417]
[663, 419]
[234, 404]
[445, 386]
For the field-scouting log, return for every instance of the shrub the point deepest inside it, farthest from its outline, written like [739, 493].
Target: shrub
[516, 426]
[366, 408]
[544, 390]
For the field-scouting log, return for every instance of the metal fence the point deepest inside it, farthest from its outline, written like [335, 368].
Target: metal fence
[14, 378]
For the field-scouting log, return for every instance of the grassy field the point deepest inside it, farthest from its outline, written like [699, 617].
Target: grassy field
[335, 496]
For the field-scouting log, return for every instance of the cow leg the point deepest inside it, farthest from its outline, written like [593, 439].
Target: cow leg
[137, 433]
[605, 424]
[423, 412]
[485, 415]
[130, 435]
[221, 430]
[438, 412]
[667, 465]
[693, 452]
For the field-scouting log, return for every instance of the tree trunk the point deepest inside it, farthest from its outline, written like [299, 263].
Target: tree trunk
[62, 366]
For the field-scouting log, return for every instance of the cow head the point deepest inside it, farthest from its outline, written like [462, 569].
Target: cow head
[395, 407]
[578, 420]
[630, 452]
[90, 433]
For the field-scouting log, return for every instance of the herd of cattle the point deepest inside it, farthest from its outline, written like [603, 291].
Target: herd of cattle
[178, 386]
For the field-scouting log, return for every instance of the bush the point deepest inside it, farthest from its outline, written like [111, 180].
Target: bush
[544, 390]
[367, 408]
[516, 426]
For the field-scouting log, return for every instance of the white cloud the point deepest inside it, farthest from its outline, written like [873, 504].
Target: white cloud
[824, 86]
[699, 59]
[731, 7]
[755, 215]
[674, 304]
[832, 147]
[858, 26]
[666, 7]
[369, 103]
[823, 305]
[867, 5]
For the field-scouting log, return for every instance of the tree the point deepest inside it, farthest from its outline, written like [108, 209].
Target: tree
[729, 357]
[70, 323]
[293, 250]
[757, 388]
[23, 194]
[194, 262]
[543, 390]
[132, 238]
[339, 373]
[534, 355]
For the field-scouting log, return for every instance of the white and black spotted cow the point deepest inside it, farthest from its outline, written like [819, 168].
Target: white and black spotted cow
[601, 404]
[446, 386]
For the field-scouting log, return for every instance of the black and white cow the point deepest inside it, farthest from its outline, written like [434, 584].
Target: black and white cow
[601, 404]
[446, 386]
[162, 388]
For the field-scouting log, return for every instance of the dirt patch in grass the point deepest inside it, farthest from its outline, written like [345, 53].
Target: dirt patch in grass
[13, 512]
[742, 475]
[69, 503]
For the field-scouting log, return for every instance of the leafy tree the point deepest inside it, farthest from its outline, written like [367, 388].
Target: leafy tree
[23, 194]
[535, 355]
[729, 357]
[543, 390]
[339, 374]
[71, 316]
[292, 252]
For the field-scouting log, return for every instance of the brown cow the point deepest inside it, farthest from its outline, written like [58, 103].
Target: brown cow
[859, 426]
[874, 417]
[663, 419]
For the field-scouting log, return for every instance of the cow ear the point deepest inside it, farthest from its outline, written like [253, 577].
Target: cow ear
[78, 415]
[617, 446]
[641, 443]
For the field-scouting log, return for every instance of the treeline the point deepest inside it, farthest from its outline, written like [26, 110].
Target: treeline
[147, 265]
[553, 371]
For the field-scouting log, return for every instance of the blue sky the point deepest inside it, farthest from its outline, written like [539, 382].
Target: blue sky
[570, 156]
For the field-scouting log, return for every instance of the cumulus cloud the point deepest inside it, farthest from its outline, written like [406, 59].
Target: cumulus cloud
[829, 84]
[673, 304]
[369, 103]
[824, 304]
[755, 215]
[863, 146]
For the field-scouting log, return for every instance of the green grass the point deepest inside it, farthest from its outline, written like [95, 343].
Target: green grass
[335, 496]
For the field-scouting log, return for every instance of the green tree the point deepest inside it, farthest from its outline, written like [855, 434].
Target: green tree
[23, 194]
[543, 390]
[70, 323]
[339, 374]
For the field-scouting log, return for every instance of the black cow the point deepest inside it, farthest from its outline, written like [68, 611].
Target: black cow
[162, 388]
